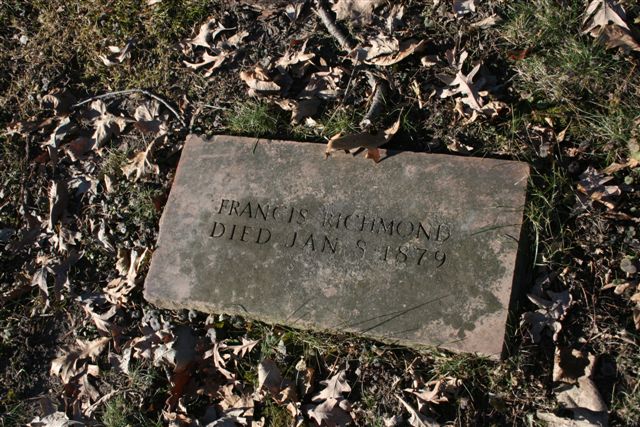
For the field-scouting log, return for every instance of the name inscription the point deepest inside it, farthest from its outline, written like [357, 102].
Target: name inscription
[359, 235]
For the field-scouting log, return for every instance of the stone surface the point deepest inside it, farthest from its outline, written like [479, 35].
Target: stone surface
[418, 249]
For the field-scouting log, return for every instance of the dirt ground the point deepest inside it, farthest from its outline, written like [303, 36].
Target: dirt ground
[553, 83]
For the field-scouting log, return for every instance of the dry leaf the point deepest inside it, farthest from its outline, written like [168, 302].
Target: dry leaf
[212, 62]
[463, 7]
[549, 314]
[61, 102]
[463, 85]
[571, 364]
[78, 148]
[357, 12]
[361, 140]
[58, 198]
[487, 22]
[148, 118]
[433, 395]
[259, 81]
[141, 164]
[556, 421]
[56, 419]
[69, 364]
[592, 184]
[394, 18]
[295, 57]
[416, 419]
[101, 320]
[269, 377]
[334, 387]
[300, 109]
[382, 55]
[294, 9]
[116, 55]
[331, 412]
[324, 84]
[106, 124]
[207, 34]
[606, 21]
[580, 397]
[234, 41]
[244, 348]
[234, 406]
[39, 279]
[459, 147]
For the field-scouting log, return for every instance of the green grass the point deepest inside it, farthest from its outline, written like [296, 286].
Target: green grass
[564, 76]
[120, 412]
[340, 120]
[611, 128]
[13, 413]
[252, 118]
[537, 24]
[626, 403]
[571, 78]
[116, 412]
[549, 192]
[13, 168]
[276, 415]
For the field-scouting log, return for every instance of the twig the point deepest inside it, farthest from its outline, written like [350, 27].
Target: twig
[94, 406]
[130, 91]
[348, 87]
[344, 40]
[380, 89]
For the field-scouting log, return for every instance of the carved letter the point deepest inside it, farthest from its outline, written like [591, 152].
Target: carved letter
[234, 207]
[273, 212]
[247, 208]
[302, 216]
[382, 225]
[370, 224]
[362, 245]
[332, 247]
[222, 205]
[444, 232]
[328, 216]
[215, 225]
[293, 241]
[233, 231]
[408, 232]
[261, 212]
[261, 242]
[345, 221]
[311, 242]
[244, 232]
[421, 228]
[401, 256]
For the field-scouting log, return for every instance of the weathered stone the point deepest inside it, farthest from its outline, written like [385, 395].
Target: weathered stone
[418, 249]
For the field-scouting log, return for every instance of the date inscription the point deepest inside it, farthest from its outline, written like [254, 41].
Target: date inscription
[358, 235]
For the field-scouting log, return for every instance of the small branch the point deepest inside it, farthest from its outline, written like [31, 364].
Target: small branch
[130, 91]
[94, 406]
[380, 89]
[343, 39]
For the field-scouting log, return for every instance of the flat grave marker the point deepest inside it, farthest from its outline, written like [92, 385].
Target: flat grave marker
[419, 249]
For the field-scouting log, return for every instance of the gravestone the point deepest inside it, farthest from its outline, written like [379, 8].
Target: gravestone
[419, 249]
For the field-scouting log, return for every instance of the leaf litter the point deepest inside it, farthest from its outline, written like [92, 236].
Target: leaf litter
[303, 79]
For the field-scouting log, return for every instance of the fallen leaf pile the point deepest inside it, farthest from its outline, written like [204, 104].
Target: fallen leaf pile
[606, 21]
[469, 94]
[549, 315]
[216, 44]
[576, 392]
[99, 170]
